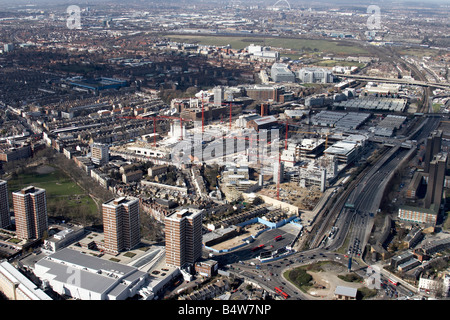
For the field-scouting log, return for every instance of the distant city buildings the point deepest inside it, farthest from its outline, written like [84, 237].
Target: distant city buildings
[121, 224]
[261, 53]
[236, 177]
[97, 84]
[8, 47]
[63, 238]
[281, 73]
[315, 75]
[30, 211]
[265, 93]
[132, 176]
[432, 284]
[183, 230]
[262, 123]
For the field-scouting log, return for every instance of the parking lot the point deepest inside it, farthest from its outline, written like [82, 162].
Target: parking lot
[7, 251]
[265, 242]
[287, 233]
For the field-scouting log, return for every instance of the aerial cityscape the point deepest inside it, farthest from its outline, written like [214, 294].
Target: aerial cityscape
[224, 150]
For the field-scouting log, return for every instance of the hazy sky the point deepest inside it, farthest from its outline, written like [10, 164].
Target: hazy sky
[11, 3]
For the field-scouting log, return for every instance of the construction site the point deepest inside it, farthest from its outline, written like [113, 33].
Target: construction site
[290, 166]
[290, 192]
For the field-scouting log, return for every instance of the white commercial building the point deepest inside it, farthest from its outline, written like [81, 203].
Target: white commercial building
[434, 285]
[346, 151]
[82, 276]
[262, 53]
[15, 286]
[281, 73]
[315, 75]
[63, 239]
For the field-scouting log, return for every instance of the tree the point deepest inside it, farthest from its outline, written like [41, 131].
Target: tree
[257, 201]
[45, 235]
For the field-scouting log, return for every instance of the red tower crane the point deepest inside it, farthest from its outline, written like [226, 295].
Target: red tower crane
[230, 104]
[154, 118]
[287, 129]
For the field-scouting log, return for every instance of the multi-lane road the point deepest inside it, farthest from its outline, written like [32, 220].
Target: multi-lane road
[354, 224]
[367, 195]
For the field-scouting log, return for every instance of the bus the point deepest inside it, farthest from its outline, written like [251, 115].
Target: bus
[278, 238]
[281, 292]
[258, 247]
[393, 282]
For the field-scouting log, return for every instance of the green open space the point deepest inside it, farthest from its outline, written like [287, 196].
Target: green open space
[418, 52]
[300, 277]
[64, 197]
[333, 63]
[300, 45]
[437, 107]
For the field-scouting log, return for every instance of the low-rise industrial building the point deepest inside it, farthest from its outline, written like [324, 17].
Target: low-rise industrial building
[373, 103]
[345, 293]
[262, 123]
[85, 277]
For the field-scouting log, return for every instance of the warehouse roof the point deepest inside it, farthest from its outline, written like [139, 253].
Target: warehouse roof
[95, 274]
[346, 291]
[265, 120]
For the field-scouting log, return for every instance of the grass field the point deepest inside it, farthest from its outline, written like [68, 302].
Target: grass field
[333, 63]
[419, 52]
[437, 107]
[326, 46]
[60, 189]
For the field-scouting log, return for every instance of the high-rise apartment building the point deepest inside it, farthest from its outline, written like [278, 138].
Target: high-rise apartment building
[121, 224]
[218, 96]
[183, 231]
[433, 147]
[8, 47]
[5, 219]
[99, 153]
[436, 178]
[30, 211]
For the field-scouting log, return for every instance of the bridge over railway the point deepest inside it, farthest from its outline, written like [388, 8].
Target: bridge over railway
[397, 81]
